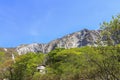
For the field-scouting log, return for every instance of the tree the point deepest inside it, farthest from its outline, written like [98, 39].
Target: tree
[111, 31]
[26, 66]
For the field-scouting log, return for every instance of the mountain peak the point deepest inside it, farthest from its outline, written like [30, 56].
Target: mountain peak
[81, 38]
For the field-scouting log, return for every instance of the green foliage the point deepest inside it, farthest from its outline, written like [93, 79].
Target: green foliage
[111, 31]
[85, 63]
[26, 66]
[2, 57]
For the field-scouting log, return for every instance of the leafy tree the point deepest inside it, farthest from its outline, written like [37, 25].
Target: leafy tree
[111, 31]
[91, 63]
[26, 66]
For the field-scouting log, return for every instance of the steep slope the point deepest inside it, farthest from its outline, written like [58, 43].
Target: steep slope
[84, 37]
[35, 47]
[8, 52]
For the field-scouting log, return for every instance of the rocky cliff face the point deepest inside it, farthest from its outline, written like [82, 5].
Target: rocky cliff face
[81, 38]
[35, 47]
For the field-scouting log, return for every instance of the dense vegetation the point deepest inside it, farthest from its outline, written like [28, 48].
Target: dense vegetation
[85, 63]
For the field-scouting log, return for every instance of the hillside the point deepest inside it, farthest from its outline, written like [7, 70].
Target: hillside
[83, 55]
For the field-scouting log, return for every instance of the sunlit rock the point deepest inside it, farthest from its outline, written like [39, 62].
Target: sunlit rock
[81, 38]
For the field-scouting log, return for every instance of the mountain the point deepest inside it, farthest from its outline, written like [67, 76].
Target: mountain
[84, 37]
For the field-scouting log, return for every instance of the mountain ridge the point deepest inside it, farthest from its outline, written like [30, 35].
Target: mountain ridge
[80, 38]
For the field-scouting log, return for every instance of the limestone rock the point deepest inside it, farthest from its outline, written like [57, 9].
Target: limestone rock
[81, 38]
[35, 47]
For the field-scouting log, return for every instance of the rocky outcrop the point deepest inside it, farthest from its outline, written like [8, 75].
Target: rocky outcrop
[84, 37]
[35, 47]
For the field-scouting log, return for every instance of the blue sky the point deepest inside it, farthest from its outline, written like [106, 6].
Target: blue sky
[29, 21]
